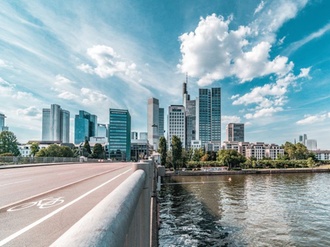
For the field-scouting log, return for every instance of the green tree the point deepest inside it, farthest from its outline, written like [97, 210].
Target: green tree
[34, 148]
[310, 162]
[55, 150]
[98, 151]
[66, 151]
[176, 151]
[230, 158]
[198, 154]
[8, 143]
[162, 150]
[87, 149]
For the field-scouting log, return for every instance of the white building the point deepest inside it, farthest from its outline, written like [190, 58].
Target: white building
[311, 144]
[176, 124]
[258, 150]
[153, 122]
[322, 154]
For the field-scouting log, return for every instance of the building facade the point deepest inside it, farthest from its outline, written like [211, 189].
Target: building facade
[2, 122]
[161, 127]
[85, 127]
[119, 135]
[176, 124]
[209, 119]
[55, 124]
[153, 122]
[235, 132]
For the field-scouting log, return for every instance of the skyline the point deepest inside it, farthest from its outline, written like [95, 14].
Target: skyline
[270, 58]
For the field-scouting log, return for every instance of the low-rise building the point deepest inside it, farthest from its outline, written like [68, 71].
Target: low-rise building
[322, 154]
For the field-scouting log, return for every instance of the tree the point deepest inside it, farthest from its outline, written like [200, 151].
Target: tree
[55, 150]
[8, 143]
[98, 151]
[87, 149]
[34, 148]
[176, 151]
[296, 151]
[230, 158]
[198, 154]
[162, 150]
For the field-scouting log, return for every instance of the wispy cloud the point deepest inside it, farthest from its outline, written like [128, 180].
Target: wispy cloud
[312, 119]
[260, 7]
[296, 45]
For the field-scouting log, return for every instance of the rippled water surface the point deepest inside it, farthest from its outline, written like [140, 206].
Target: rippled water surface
[246, 210]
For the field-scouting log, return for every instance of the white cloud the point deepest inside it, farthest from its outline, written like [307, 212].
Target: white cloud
[260, 7]
[31, 111]
[91, 97]
[213, 52]
[108, 62]
[296, 45]
[311, 119]
[230, 119]
[67, 95]
[62, 81]
[263, 112]
[269, 98]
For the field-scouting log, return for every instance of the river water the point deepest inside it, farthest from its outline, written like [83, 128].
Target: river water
[246, 210]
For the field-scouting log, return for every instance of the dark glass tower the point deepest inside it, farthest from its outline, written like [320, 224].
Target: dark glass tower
[119, 135]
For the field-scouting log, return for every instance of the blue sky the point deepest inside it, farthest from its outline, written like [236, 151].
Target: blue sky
[271, 59]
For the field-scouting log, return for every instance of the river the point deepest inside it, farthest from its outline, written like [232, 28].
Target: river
[246, 210]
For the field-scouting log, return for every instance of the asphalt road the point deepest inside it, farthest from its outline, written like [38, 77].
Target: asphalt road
[38, 204]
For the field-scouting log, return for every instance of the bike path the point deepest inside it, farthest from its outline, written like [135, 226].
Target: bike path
[37, 222]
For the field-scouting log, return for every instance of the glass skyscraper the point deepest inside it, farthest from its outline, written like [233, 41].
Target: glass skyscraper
[2, 121]
[55, 124]
[119, 135]
[85, 126]
[209, 118]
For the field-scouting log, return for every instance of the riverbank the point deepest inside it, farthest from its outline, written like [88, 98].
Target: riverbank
[325, 168]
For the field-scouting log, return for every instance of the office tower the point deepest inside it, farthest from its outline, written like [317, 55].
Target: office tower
[190, 108]
[119, 134]
[176, 124]
[190, 122]
[153, 122]
[311, 144]
[235, 132]
[161, 122]
[134, 135]
[143, 136]
[55, 124]
[102, 130]
[303, 139]
[210, 115]
[85, 127]
[2, 122]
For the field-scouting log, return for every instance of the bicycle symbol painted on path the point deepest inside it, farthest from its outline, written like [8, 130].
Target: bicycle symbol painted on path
[42, 204]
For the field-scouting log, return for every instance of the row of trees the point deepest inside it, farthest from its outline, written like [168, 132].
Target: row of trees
[177, 157]
[9, 147]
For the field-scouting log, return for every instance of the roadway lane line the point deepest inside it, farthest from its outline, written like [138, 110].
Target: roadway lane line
[57, 188]
[25, 229]
[22, 181]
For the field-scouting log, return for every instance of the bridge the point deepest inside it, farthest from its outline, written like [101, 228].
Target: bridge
[79, 204]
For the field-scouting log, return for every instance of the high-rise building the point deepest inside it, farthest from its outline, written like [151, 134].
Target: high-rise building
[2, 122]
[153, 122]
[102, 130]
[161, 129]
[190, 108]
[235, 132]
[85, 127]
[176, 124]
[311, 144]
[209, 118]
[119, 135]
[55, 124]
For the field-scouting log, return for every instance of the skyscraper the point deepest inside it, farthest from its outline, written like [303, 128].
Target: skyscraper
[153, 122]
[85, 127]
[176, 124]
[119, 134]
[102, 130]
[2, 121]
[55, 124]
[161, 122]
[235, 132]
[209, 119]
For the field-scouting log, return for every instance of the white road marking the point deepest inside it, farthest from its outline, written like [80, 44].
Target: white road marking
[21, 181]
[25, 229]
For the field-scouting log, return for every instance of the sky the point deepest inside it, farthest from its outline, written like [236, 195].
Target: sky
[271, 59]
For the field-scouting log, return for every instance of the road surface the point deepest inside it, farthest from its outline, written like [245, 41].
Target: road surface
[38, 204]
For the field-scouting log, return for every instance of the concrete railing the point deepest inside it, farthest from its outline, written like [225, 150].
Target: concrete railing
[125, 217]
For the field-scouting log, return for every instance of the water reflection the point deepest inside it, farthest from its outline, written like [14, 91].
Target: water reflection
[250, 210]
